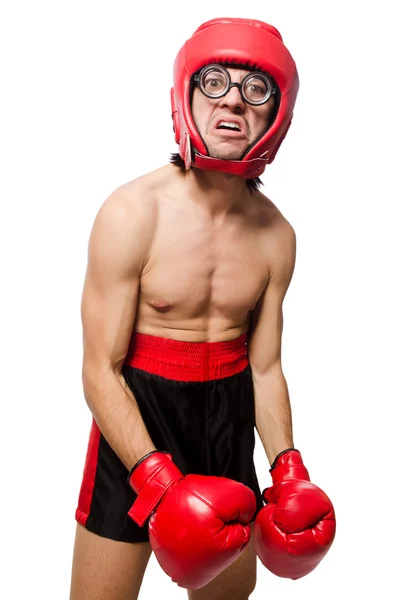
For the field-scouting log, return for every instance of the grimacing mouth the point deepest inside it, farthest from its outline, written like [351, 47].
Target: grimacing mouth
[230, 125]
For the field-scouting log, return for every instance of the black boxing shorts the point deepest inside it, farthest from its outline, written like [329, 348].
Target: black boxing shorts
[196, 400]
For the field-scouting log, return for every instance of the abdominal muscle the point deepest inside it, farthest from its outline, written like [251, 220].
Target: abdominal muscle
[202, 329]
[198, 301]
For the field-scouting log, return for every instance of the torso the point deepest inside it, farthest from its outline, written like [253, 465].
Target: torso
[201, 280]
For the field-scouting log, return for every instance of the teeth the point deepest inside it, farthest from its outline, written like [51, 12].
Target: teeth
[229, 124]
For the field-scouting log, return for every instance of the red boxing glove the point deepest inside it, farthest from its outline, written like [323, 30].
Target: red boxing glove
[198, 525]
[296, 528]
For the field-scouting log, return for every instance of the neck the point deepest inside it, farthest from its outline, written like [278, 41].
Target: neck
[220, 192]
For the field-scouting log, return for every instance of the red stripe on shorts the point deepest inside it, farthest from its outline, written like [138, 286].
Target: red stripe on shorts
[87, 486]
[187, 361]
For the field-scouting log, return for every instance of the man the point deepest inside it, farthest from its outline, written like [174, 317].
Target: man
[182, 317]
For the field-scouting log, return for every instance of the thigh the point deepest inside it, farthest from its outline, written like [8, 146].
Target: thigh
[104, 569]
[237, 581]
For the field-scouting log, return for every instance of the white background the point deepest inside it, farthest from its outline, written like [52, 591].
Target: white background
[85, 108]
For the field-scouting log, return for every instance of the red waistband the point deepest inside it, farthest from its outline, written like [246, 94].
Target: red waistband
[187, 361]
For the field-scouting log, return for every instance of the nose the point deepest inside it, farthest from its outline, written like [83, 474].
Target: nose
[233, 99]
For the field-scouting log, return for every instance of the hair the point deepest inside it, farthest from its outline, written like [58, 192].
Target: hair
[177, 160]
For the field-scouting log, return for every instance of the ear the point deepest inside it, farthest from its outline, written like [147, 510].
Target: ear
[175, 118]
[275, 150]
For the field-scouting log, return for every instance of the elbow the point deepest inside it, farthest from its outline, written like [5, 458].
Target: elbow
[89, 383]
[92, 377]
[98, 381]
[88, 374]
[266, 371]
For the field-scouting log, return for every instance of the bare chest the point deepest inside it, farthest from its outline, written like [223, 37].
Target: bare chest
[196, 270]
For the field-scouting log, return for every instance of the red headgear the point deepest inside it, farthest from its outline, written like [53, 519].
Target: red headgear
[238, 42]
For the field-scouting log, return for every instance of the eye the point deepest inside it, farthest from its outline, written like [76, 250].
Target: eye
[213, 83]
[256, 89]
[253, 88]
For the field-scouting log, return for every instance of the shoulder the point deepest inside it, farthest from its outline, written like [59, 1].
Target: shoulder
[274, 226]
[126, 220]
[132, 198]
[268, 214]
[132, 205]
[140, 197]
[278, 238]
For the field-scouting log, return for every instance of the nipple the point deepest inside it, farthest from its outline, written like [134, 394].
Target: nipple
[160, 304]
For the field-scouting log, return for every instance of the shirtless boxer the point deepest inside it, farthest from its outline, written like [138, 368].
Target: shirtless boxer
[187, 270]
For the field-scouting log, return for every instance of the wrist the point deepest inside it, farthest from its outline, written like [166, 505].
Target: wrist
[150, 479]
[288, 464]
[272, 466]
[139, 462]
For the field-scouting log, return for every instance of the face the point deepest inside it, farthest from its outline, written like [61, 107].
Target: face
[212, 117]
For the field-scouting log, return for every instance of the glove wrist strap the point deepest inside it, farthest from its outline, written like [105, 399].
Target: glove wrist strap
[288, 465]
[150, 478]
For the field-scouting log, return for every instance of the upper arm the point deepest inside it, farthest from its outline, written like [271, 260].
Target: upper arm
[267, 322]
[117, 250]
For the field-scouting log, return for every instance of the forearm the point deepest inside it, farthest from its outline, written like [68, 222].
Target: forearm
[117, 415]
[273, 412]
